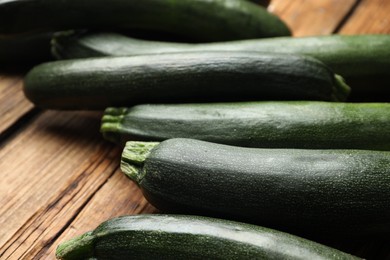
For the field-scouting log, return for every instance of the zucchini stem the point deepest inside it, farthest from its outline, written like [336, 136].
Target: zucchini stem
[80, 247]
[111, 123]
[133, 158]
[341, 90]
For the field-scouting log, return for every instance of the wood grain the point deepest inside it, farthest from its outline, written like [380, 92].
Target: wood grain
[312, 17]
[58, 157]
[44, 226]
[118, 197]
[13, 104]
[370, 17]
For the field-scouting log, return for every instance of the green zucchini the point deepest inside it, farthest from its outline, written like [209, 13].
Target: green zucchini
[348, 55]
[320, 125]
[354, 56]
[123, 81]
[189, 237]
[329, 192]
[211, 20]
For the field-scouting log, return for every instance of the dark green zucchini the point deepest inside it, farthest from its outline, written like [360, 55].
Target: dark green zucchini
[329, 192]
[189, 237]
[212, 20]
[123, 81]
[350, 56]
[364, 60]
[322, 125]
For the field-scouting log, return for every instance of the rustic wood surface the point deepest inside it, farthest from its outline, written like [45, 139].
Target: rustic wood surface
[61, 179]
[310, 17]
[13, 104]
[370, 16]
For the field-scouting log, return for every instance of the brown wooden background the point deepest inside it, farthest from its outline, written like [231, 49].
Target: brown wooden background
[59, 178]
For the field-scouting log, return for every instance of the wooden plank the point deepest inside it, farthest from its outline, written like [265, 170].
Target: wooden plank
[13, 104]
[118, 197]
[312, 17]
[44, 226]
[59, 158]
[370, 17]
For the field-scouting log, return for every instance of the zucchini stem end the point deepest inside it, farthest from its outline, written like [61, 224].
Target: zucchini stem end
[80, 247]
[133, 158]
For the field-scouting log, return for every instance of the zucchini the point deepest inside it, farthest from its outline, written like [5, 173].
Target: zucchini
[327, 192]
[211, 20]
[122, 81]
[189, 237]
[320, 125]
[364, 60]
[353, 56]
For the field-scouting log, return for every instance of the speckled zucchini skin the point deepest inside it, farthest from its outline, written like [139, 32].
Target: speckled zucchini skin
[294, 124]
[202, 20]
[189, 237]
[352, 56]
[182, 77]
[329, 192]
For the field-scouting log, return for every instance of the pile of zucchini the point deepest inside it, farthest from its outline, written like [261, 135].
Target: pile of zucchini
[224, 125]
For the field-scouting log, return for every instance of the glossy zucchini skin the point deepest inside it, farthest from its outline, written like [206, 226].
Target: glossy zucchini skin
[327, 192]
[202, 20]
[299, 124]
[189, 237]
[352, 56]
[182, 77]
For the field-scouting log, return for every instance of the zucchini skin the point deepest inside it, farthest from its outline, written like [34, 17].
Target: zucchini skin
[352, 56]
[189, 237]
[299, 124]
[202, 20]
[180, 77]
[327, 192]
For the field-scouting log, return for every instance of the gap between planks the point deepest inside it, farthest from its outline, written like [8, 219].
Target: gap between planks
[312, 17]
[369, 17]
[43, 158]
[63, 208]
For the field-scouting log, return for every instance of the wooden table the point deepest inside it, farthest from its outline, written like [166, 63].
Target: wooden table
[59, 178]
